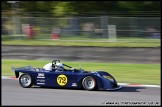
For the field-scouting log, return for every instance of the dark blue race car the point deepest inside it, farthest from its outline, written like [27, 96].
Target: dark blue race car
[75, 78]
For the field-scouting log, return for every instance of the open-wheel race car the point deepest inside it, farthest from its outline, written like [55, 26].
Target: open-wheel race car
[67, 78]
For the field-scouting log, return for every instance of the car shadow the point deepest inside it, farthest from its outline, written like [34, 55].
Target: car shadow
[48, 87]
[129, 89]
[123, 89]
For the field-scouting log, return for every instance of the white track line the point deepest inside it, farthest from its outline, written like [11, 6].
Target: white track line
[139, 85]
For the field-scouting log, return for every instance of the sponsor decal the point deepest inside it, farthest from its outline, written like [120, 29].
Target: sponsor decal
[40, 75]
[62, 80]
[40, 80]
[74, 84]
[40, 83]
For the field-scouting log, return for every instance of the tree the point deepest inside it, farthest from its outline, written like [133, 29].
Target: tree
[85, 8]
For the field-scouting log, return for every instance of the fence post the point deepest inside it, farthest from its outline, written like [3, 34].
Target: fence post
[104, 23]
[112, 33]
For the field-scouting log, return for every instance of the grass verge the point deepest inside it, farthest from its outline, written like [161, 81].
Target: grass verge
[123, 72]
[133, 42]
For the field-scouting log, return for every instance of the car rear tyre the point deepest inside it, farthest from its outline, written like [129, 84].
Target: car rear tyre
[25, 81]
[89, 83]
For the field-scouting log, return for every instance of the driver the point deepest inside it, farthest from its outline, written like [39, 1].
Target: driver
[48, 67]
[59, 67]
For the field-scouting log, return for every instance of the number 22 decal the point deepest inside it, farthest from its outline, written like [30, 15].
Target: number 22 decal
[62, 80]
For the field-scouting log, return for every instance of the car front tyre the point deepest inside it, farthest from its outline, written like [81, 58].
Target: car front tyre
[89, 83]
[25, 81]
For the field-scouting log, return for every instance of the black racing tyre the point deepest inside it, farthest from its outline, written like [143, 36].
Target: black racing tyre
[25, 81]
[89, 83]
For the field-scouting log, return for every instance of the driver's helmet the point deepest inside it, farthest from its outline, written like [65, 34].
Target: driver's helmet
[59, 66]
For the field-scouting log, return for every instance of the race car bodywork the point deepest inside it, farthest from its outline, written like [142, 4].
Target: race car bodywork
[76, 78]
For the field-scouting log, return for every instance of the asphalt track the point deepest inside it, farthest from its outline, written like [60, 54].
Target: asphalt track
[13, 94]
[73, 53]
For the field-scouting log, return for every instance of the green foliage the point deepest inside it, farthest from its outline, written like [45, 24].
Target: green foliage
[65, 8]
[61, 8]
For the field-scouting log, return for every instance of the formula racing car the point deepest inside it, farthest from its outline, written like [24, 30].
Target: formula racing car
[67, 78]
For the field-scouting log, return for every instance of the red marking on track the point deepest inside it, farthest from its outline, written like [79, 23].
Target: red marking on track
[134, 84]
[13, 77]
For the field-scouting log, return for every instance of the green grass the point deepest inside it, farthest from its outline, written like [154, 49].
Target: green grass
[88, 42]
[123, 72]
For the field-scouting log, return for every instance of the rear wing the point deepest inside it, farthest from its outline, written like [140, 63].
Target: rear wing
[13, 68]
[22, 69]
[16, 73]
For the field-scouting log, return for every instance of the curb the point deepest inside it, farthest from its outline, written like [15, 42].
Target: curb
[139, 85]
[126, 84]
[6, 77]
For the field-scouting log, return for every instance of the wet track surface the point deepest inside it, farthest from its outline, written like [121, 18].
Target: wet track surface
[13, 94]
